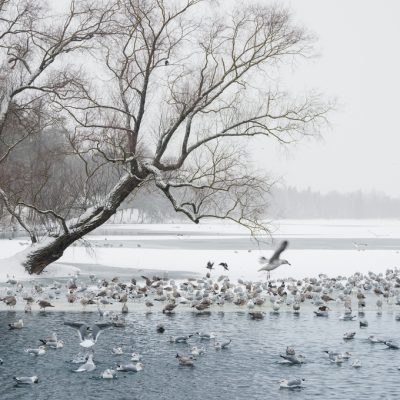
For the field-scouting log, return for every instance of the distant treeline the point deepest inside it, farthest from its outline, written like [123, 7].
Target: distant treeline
[293, 203]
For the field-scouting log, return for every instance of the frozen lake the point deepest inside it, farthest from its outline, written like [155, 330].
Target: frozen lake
[250, 367]
[320, 246]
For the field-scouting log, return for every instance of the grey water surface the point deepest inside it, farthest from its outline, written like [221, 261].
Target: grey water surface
[248, 369]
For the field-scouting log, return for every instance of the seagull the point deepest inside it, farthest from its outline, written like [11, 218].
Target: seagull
[374, 339]
[222, 345]
[197, 351]
[337, 357]
[108, 374]
[37, 352]
[224, 265]
[169, 308]
[186, 361]
[210, 265]
[117, 351]
[363, 323]
[205, 336]
[88, 335]
[130, 367]
[257, 314]
[88, 366]
[10, 301]
[274, 262]
[292, 358]
[391, 345]
[356, 363]
[80, 358]
[291, 383]
[179, 339]
[136, 357]
[17, 325]
[26, 380]
[349, 335]
[43, 304]
[52, 339]
[360, 246]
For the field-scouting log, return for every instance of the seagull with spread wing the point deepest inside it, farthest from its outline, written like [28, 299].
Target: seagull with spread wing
[88, 335]
[275, 261]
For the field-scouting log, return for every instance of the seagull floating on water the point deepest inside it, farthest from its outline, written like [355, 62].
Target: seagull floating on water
[36, 352]
[130, 367]
[109, 374]
[88, 366]
[186, 361]
[26, 380]
[295, 383]
[17, 325]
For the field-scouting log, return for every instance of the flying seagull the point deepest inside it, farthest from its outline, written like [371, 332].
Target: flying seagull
[88, 335]
[210, 265]
[274, 262]
[224, 265]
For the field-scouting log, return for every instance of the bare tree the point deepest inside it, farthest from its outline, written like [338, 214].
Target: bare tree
[162, 96]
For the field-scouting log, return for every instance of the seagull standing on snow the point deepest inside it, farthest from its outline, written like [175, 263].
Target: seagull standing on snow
[274, 262]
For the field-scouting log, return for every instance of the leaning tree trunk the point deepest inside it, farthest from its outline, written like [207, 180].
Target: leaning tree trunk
[40, 255]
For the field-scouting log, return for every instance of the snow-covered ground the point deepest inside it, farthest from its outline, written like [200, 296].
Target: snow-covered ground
[112, 251]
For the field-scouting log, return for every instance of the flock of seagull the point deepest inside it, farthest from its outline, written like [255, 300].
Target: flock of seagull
[202, 296]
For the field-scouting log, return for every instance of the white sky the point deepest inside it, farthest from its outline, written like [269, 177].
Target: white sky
[359, 65]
